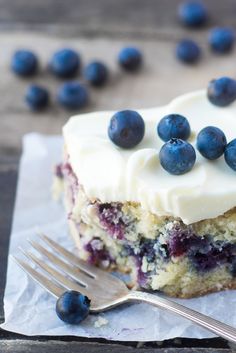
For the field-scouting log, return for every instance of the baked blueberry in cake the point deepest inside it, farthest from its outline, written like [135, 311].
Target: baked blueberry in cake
[128, 208]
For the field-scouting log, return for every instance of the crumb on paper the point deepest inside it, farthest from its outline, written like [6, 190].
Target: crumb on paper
[101, 321]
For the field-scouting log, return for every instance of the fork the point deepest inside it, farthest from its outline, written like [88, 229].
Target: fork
[65, 271]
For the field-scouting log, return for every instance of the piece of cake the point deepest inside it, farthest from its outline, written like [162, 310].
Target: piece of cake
[173, 233]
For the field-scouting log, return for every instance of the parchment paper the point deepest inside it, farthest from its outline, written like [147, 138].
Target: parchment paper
[30, 310]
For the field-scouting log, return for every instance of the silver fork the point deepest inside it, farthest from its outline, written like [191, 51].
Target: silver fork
[65, 271]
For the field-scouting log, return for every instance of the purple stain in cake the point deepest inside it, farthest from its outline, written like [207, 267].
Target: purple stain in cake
[141, 276]
[58, 171]
[180, 240]
[98, 255]
[110, 216]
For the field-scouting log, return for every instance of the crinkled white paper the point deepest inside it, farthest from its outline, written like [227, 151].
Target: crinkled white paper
[30, 310]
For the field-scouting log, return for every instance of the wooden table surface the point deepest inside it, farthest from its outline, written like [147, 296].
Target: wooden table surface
[97, 29]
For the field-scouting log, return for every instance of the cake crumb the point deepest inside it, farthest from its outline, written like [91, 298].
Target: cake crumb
[101, 321]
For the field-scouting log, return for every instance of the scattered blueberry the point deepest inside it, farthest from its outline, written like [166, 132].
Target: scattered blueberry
[73, 95]
[24, 63]
[96, 73]
[188, 51]
[193, 13]
[222, 91]
[177, 156]
[65, 63]
[126, 128]
[130, 58]
[221, 40]
[37, 97]
[173, 125]
[72, 307]
[230, 154]
[211, 142]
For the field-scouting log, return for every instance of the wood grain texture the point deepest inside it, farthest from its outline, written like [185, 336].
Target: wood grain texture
[23, 346]
[136, 17]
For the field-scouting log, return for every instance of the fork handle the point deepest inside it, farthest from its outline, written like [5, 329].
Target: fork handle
[219, 328]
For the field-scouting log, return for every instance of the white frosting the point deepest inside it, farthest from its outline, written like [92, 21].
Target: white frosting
[110, 173]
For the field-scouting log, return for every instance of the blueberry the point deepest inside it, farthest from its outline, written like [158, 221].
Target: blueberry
[230, 154]
[173, 125]
[65, 63]
[72, 307]
[206, 255]
[221, 40]
[177, 156]
[147, 249]
[37, 97]
[222, 91]
[126, 128]
[130, 58]
[73, 95]
[24, 63]
[193, 13]
[96, 73]
[188, 51]
[211, 142]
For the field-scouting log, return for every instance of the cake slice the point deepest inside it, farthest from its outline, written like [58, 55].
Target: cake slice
[175, 234]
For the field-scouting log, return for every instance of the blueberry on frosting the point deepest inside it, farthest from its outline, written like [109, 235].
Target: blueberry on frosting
[73, 95]
[211, 142]
[222, 91]
[193, 13]
[126, 128]
[37, 97]
[130, 58]
[72, 307]
[188, 51]
[96, 73]
[177, 156]
[65, 63]
[173, 125]
[221, 39]
[24, 63]
[230, 154]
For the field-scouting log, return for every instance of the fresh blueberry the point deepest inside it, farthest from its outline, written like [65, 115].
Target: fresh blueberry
[96, 73]
[73, 95]
[173, 125]
[37, 97]
[222, 91]
[193, 13]
[130, 58]
[221, 40]
[126, 128]
[65, 63]
[211, 142]
[188, 51]
[177, 156]
[24, 63]
[230, 154]
[72, 307]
